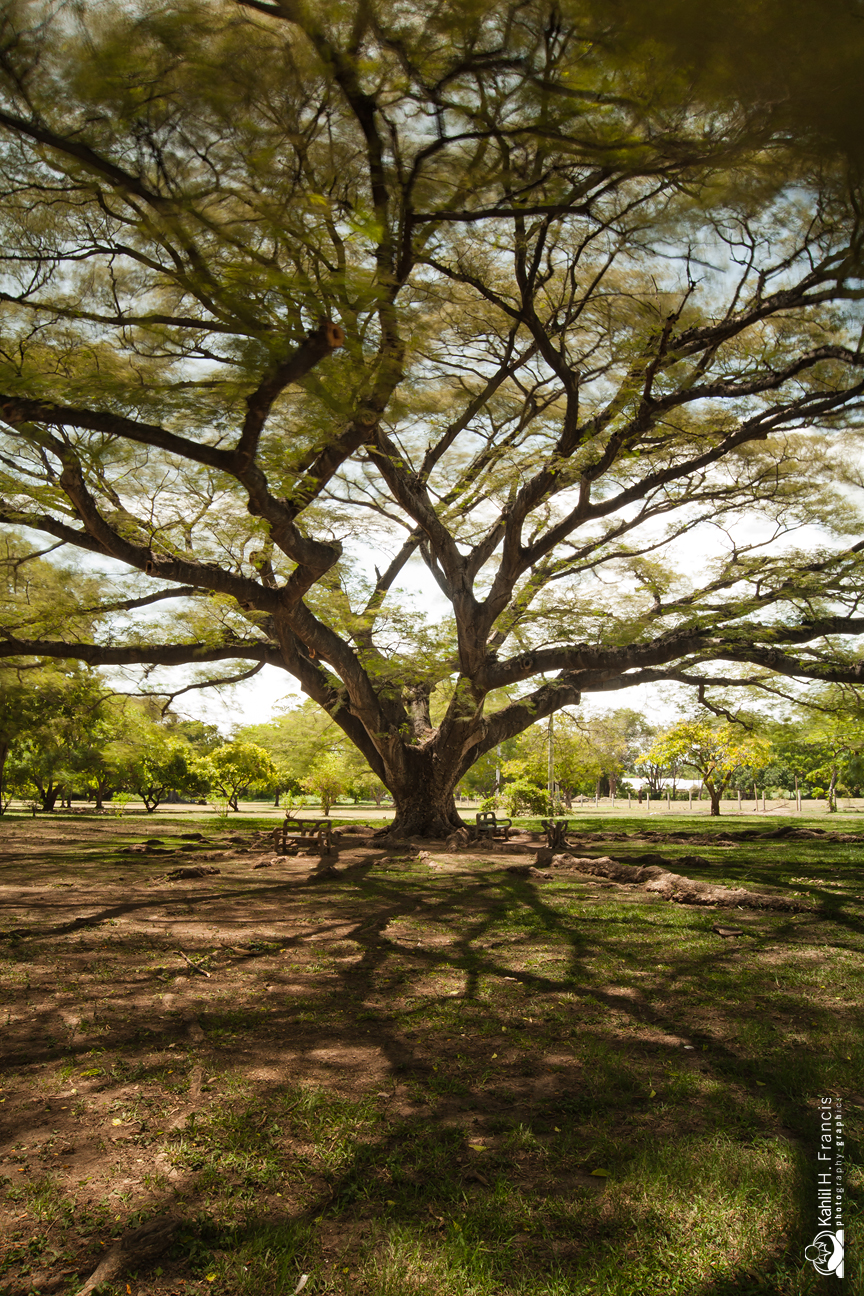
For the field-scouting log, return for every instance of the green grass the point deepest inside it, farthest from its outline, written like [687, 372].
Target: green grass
[530, 1032]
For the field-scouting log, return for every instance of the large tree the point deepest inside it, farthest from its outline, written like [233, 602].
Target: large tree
[288, 287]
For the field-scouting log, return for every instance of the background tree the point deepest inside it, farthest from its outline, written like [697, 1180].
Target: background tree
[328, 777]
[70, 721]
[481, 288]
[483, 779]
[303, 739]
[18, 711]
[715, 752]
[615, 740]
[234, 768]
[366, 786]
[524, 788]
[41, 703]
[200, 738]
[659, 767]
[284, 783]
[145, 756]
[822, 750]
[162, 767]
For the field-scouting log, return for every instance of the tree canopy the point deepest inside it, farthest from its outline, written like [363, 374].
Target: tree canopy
[295, 298]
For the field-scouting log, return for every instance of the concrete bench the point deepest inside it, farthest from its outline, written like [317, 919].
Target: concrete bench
[316, 834]
[489, 826]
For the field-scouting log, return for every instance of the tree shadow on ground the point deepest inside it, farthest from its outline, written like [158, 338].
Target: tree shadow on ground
[419, 1079]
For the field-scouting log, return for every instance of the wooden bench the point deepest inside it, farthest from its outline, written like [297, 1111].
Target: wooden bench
[556, 831]
[314, 833]
[489, 826]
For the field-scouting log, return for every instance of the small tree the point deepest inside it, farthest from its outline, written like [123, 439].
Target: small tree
[366, 786]
[716, 753]
[328, 777]
[234, 768]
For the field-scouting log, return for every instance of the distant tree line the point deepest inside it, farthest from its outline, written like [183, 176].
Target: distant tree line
[64, 734]
[817, 753]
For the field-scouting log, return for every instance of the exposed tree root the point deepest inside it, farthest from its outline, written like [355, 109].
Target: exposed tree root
[140, 1247]
[671, 886]
[785, 832]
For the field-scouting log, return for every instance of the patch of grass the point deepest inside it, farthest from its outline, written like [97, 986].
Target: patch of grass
[407, 1078]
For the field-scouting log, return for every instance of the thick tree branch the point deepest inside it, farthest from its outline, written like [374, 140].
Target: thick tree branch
[131, 605]
[322, 342]
[176, 654]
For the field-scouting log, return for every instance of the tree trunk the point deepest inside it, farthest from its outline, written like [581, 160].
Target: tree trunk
[832, 790]
[424, 808]
[4, 752]
[715, 794]
[48, 796]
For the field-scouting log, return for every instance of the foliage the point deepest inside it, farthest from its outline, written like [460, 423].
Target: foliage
[716, 752]
[822, 750]
[19, 706]
[328, 777]
[235, 767]
[200, 737]
[51, 715]
[69, 721]
[162, 766]
[366, 786]
[483, 779]
[523, 796]
[305, 743]
[497, 297]
[590, 754]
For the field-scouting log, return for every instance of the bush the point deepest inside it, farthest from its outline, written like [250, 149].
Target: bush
[524, 797]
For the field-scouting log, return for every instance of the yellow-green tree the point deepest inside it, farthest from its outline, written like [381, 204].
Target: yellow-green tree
[328, 777]
[716, 752]
[234, 768]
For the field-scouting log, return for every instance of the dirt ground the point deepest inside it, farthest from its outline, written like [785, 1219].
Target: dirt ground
[138, 1008]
